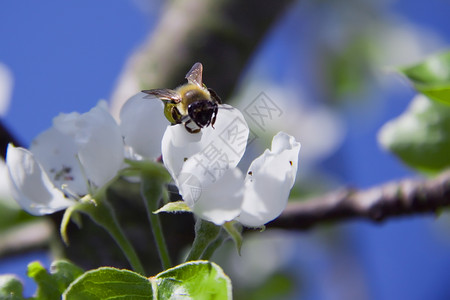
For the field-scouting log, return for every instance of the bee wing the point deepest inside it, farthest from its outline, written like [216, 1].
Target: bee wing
[194, 76]
[165, 95]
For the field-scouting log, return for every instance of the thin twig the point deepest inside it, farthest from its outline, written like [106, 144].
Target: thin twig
[400, 198]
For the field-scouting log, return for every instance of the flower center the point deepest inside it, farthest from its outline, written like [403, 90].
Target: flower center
[63, 174]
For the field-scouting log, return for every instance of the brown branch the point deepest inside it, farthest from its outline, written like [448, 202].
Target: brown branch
[26, 237]
[401, 198]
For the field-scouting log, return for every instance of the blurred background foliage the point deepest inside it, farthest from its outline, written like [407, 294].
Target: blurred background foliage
[325, 68]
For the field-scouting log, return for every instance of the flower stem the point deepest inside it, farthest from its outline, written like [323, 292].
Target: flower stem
[151, 191]
[103, 214]
[214, 245]
[205, 234]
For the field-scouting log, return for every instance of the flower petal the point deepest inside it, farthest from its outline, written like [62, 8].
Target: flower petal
[177, 146]
[31, 186]
[99, 141]
[56, 153]
[5, 188]
[269, 180]
[218, 202]
[208, 154]
[142, 123]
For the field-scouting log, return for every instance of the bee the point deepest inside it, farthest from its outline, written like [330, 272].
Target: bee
[191, 104]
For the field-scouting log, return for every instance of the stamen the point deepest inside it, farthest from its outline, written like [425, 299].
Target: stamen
[90, 188]
[69, 193]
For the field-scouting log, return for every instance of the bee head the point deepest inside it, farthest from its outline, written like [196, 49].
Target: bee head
[203, 113]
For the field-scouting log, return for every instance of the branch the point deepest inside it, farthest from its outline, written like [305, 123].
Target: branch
[27, 237]
[400, 198]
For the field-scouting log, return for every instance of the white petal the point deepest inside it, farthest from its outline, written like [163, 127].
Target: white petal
[56, 153]
[218, 202]
[31, 186]
[99, 141]
[269, 180]
[208, 154]
[5, 187]
[142, 123]
[177, 146]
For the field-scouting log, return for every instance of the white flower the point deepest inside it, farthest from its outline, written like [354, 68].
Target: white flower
[142, 125]
[6, 198]
[79, 154]
[269, 180]
[204, 169]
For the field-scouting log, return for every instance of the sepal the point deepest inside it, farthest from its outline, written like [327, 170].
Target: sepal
[174, 207]
[234, 229]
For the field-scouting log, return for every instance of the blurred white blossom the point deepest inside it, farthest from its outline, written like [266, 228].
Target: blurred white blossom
[77, 155]
[319, 128]
[6, 85]
[142, 124]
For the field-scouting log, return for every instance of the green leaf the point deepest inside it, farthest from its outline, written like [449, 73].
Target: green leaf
[47, 287]
[431, 77]
[10, 288]
[52, 285]
[200, 280]
[348, 69]
[174, 207]
[64, 273]
[420, 137]
[109, 283]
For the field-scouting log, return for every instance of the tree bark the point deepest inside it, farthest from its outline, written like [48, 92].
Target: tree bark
[401, 198]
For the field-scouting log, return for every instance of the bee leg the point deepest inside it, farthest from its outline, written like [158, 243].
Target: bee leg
[213, 120]
[214, 96]
[176, 115]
